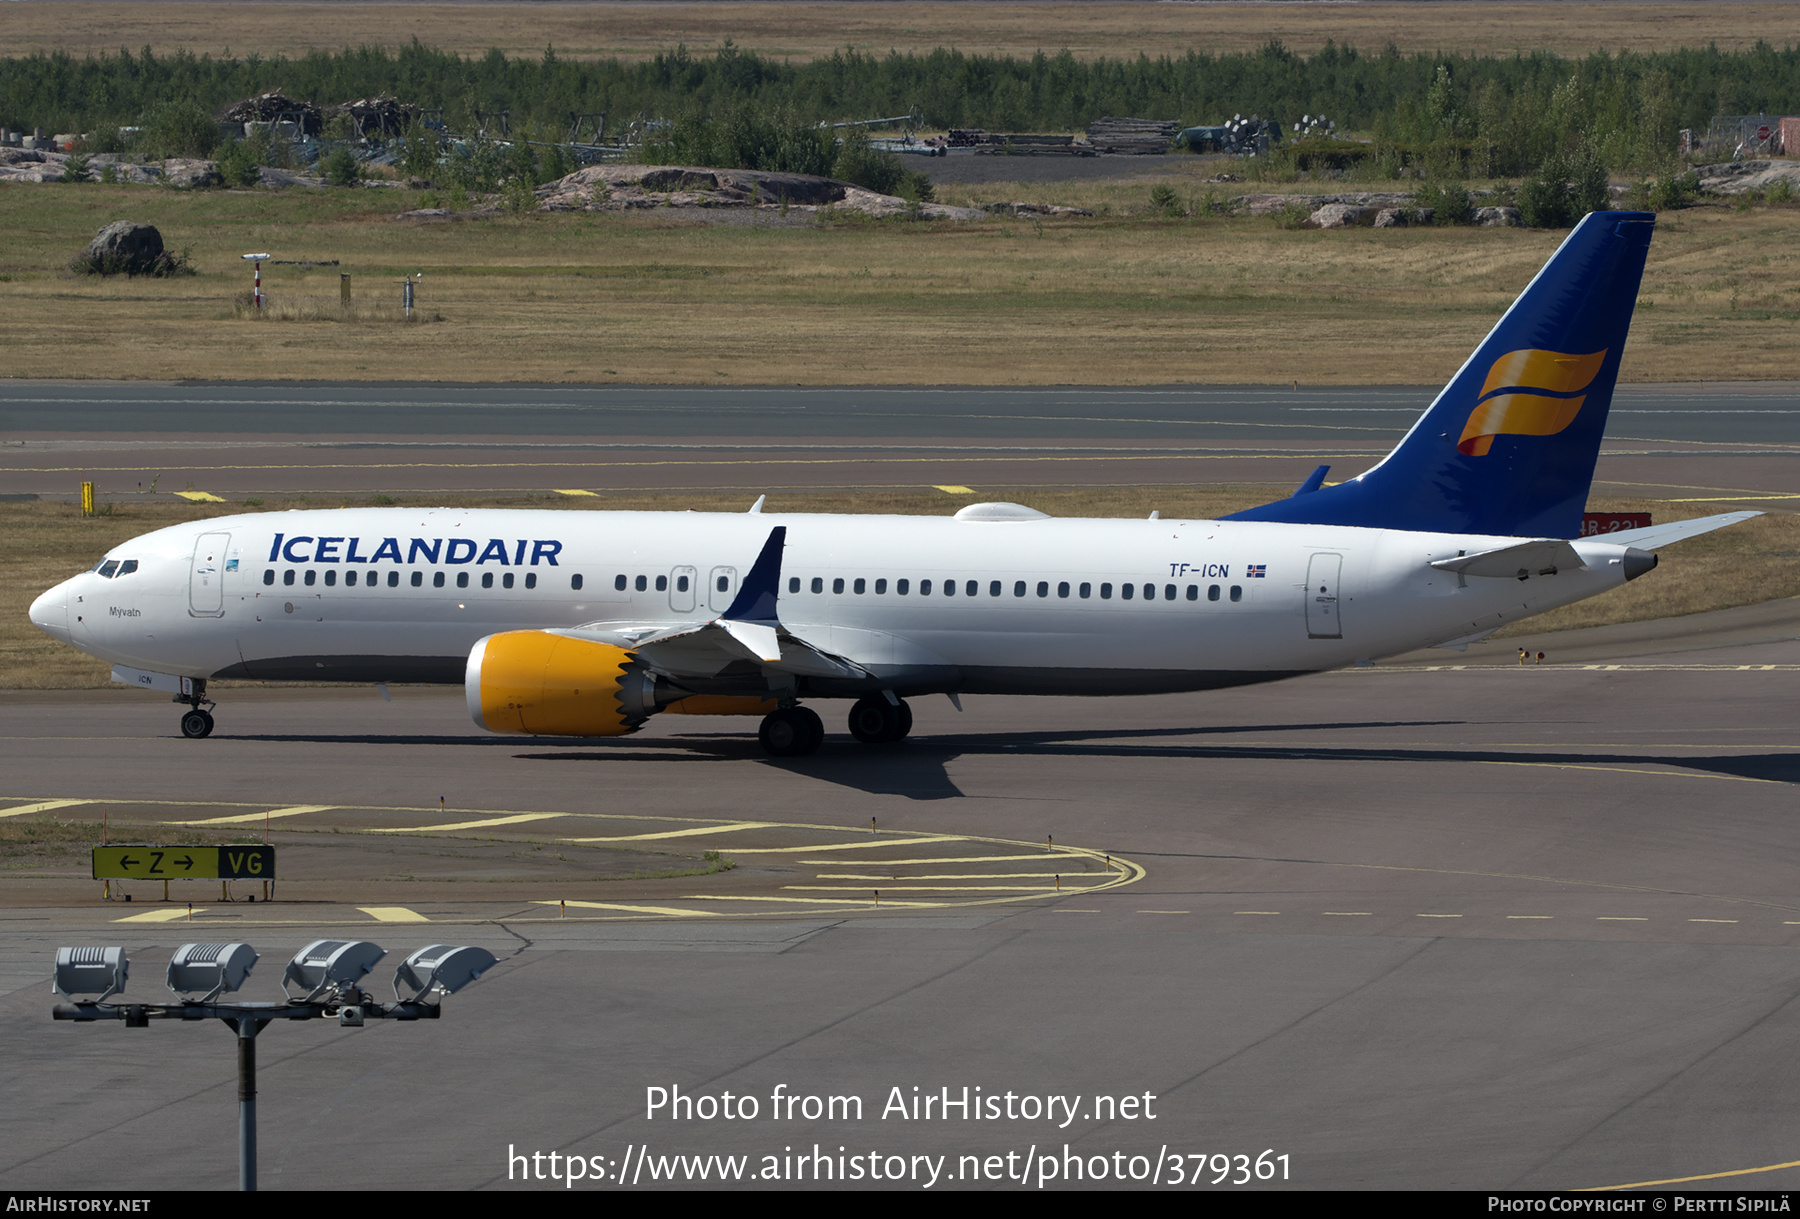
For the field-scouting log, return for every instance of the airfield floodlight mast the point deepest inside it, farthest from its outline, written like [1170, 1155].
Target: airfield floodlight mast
[256, 261]
[329, 968]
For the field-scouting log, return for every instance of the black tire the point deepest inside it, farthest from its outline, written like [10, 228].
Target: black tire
[815, 728]
[196, 724]
[874, 721]
[905, 728]
[792, 732]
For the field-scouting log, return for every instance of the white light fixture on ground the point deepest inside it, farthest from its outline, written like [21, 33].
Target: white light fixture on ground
[99, 972]
[210, 970]
[325, 968]
[441, 968]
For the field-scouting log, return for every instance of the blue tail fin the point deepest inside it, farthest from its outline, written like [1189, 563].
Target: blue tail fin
[1508, 447]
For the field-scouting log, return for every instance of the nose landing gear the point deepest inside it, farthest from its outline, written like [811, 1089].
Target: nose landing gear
[196, 722]
[791, 732]
[876, 721]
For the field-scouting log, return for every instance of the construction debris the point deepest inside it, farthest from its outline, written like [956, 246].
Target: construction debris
[379, 117]
[276, 107]
[616, 188]
[1737, 177]
[1132, 137]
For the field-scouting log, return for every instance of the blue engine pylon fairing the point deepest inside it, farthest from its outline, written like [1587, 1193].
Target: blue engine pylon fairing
[1508, 447]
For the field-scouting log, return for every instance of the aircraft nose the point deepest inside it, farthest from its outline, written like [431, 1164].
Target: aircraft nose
[50, 612]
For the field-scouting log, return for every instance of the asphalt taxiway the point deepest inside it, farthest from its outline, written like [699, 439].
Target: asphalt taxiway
[1409, 926]
[1717, 442]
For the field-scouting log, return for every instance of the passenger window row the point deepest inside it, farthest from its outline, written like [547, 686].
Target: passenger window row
[309, 577]
[1020, 588]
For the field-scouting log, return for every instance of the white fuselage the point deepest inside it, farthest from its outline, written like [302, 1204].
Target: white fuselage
[1072, 606]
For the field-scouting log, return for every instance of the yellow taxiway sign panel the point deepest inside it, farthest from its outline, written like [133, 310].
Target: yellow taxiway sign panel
[184, 863]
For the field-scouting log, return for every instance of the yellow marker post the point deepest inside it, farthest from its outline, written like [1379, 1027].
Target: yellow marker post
[190, 917]
[87, 499]
[878, 899]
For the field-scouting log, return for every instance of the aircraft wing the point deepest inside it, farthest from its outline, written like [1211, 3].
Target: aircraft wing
[1541, 557]
[705, 649]
[749, 630]
[1652, 536]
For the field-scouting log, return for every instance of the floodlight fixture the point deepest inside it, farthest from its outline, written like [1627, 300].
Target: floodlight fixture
[328, 967]
[256, 258]
[209, 970]
[442, 969]
[99, 972]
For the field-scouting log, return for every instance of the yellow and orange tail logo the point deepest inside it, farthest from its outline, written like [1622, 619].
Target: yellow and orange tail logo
[1528, 393]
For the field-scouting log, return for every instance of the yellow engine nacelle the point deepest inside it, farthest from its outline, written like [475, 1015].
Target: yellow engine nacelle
[541, 682]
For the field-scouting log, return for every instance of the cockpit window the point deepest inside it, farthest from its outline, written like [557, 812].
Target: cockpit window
[127, 567]
[108, 569]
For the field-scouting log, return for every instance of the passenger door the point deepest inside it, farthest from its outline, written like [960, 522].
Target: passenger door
[1322, 596]
[206, 579]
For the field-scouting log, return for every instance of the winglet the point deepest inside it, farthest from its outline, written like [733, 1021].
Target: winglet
[756, 597]
[1313, 482]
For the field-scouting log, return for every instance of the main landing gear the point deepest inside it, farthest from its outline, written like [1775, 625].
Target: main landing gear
[791, 732]
[876, 720]
[197, 721]
[794, 732]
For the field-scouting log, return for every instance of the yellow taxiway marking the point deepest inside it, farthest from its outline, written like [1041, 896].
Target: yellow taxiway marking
[734, 827]
[953, 490]
[628, 909]
[887, 886]
[42, 806]
[1256, 912]
[1071, 910]
[1165, 912]
[1437, 916]
[570, 491]
[960, 876]
[246, 818]
[811, 901]
[393, 914]
[940, 859]
[1725, 499]
[483, 824]
[1531, 916]
[160, 916]
[1634, 770]
[1712, 920]
[1348, 913]
[1708, 1176]
[848, 846]
[200, 497]
[1620, 918]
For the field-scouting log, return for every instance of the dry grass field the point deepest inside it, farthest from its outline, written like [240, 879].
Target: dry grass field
[647, 297]
[42, 543]
[801, 31]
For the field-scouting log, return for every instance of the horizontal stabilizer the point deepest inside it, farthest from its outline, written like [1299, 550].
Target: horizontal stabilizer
[1544, 557]
[1652, 536]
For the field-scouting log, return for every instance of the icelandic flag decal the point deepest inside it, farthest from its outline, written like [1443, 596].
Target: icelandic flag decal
[1257, 571]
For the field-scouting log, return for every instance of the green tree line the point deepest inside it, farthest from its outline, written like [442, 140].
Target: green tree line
[1506, 114]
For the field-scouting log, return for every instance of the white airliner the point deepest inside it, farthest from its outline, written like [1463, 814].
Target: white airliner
[588, 623]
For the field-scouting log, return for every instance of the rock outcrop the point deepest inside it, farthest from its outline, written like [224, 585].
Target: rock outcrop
[126, 248]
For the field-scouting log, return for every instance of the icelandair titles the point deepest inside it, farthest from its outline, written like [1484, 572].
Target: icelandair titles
[507, 552]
